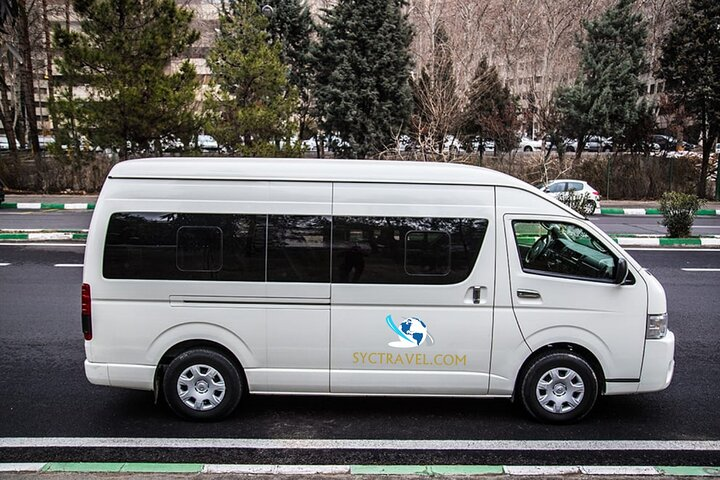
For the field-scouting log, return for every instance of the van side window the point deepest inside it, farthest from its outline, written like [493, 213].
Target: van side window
[562, 249]
[427, 253]
[185, 246]
[199, 249]
[401, 250]
[298, 249]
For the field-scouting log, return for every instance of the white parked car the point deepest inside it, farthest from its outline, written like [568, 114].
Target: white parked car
[529, 145]
[556, 188]
[207, 142]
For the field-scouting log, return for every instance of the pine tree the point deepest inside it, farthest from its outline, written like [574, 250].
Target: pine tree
[292, 26]
[363, 67]
[605, 98]
[121, 54]
[491, 111]
[251, 104]
[690, 65]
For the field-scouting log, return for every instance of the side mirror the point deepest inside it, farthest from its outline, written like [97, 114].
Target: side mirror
[621, 271]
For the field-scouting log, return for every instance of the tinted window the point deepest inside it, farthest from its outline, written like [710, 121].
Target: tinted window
[298, 249]
[199, 249]
[427, 253]
[576, 186]
[185, 246]
[562, 249]
[399, 250]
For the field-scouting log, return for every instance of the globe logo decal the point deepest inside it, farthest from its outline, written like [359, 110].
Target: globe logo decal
[412, 332]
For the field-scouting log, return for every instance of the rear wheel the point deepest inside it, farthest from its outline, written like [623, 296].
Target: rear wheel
[559, 387]
[202, 384]
[528, 148]
[589, 207]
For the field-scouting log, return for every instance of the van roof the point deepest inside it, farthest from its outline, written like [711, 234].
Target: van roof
[289, 169]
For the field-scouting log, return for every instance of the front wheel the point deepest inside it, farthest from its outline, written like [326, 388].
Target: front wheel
[202, 384]
[559, 387]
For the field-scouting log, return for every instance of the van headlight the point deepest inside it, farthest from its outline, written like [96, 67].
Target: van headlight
[657, 326]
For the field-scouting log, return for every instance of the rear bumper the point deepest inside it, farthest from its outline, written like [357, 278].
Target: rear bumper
[138, 377]
[658, 364]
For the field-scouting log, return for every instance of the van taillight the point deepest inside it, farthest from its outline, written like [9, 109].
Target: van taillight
[86, 312]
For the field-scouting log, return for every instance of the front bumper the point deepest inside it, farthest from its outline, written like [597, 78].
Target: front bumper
[658, 364]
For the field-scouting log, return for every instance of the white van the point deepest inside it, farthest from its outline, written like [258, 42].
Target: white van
[207, 279]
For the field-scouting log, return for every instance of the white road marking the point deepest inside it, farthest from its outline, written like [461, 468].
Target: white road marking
[64, 265]
[541, 470]
[278, 469]
[4, 264]
[320, 444]
[621, 470]
[700, 269]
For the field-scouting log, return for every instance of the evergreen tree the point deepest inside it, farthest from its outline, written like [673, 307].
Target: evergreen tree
[250, 104]
[605, 99]
[292, 26]
[491, 111]
[121, 54]
[690, 65]
[363, 67]
[435, 98]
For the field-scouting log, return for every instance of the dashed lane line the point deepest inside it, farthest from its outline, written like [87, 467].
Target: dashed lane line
[68, 265]
[700, 269]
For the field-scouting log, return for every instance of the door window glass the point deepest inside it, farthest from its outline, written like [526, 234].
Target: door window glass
[401, 250]
[562, 249]
[575, 186]
[298, 249]
[556, 187]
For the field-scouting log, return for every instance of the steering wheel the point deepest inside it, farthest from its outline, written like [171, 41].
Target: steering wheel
[541, 244]
[537, 249]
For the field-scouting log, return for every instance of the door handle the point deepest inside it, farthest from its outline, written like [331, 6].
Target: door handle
[522, 293]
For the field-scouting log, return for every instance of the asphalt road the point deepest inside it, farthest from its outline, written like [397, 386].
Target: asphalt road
[70, 219]
[45, 393]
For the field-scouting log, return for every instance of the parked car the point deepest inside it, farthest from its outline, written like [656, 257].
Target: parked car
[207, 143]
[452, 145]
[5, 143]
[529, 145]
[562, 186]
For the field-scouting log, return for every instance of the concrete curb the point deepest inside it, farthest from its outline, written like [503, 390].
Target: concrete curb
[652, 211]
[42, 235]
[47, 206]
[429, 470]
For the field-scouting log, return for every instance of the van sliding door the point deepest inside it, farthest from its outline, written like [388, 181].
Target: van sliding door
[413, 271]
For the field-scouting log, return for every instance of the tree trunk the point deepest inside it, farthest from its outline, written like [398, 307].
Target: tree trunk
[48, 51]
[26, 82]
[706, 155]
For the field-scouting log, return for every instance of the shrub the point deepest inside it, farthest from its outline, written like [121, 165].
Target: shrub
[580, 202]
[678, 211]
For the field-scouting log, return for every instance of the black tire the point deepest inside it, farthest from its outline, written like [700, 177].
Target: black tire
[570, 149]
[212, 381]
[589, 208]
[559, 387]
[528, 148]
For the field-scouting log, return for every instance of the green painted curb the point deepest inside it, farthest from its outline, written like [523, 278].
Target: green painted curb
[46, 206]
[79, 236]
[8, 205]
[13, 236]
[58, 206]
[612, 211]
[706, 212]
[680, 241]
[689, 471]
[655, 211]
[123, 467]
